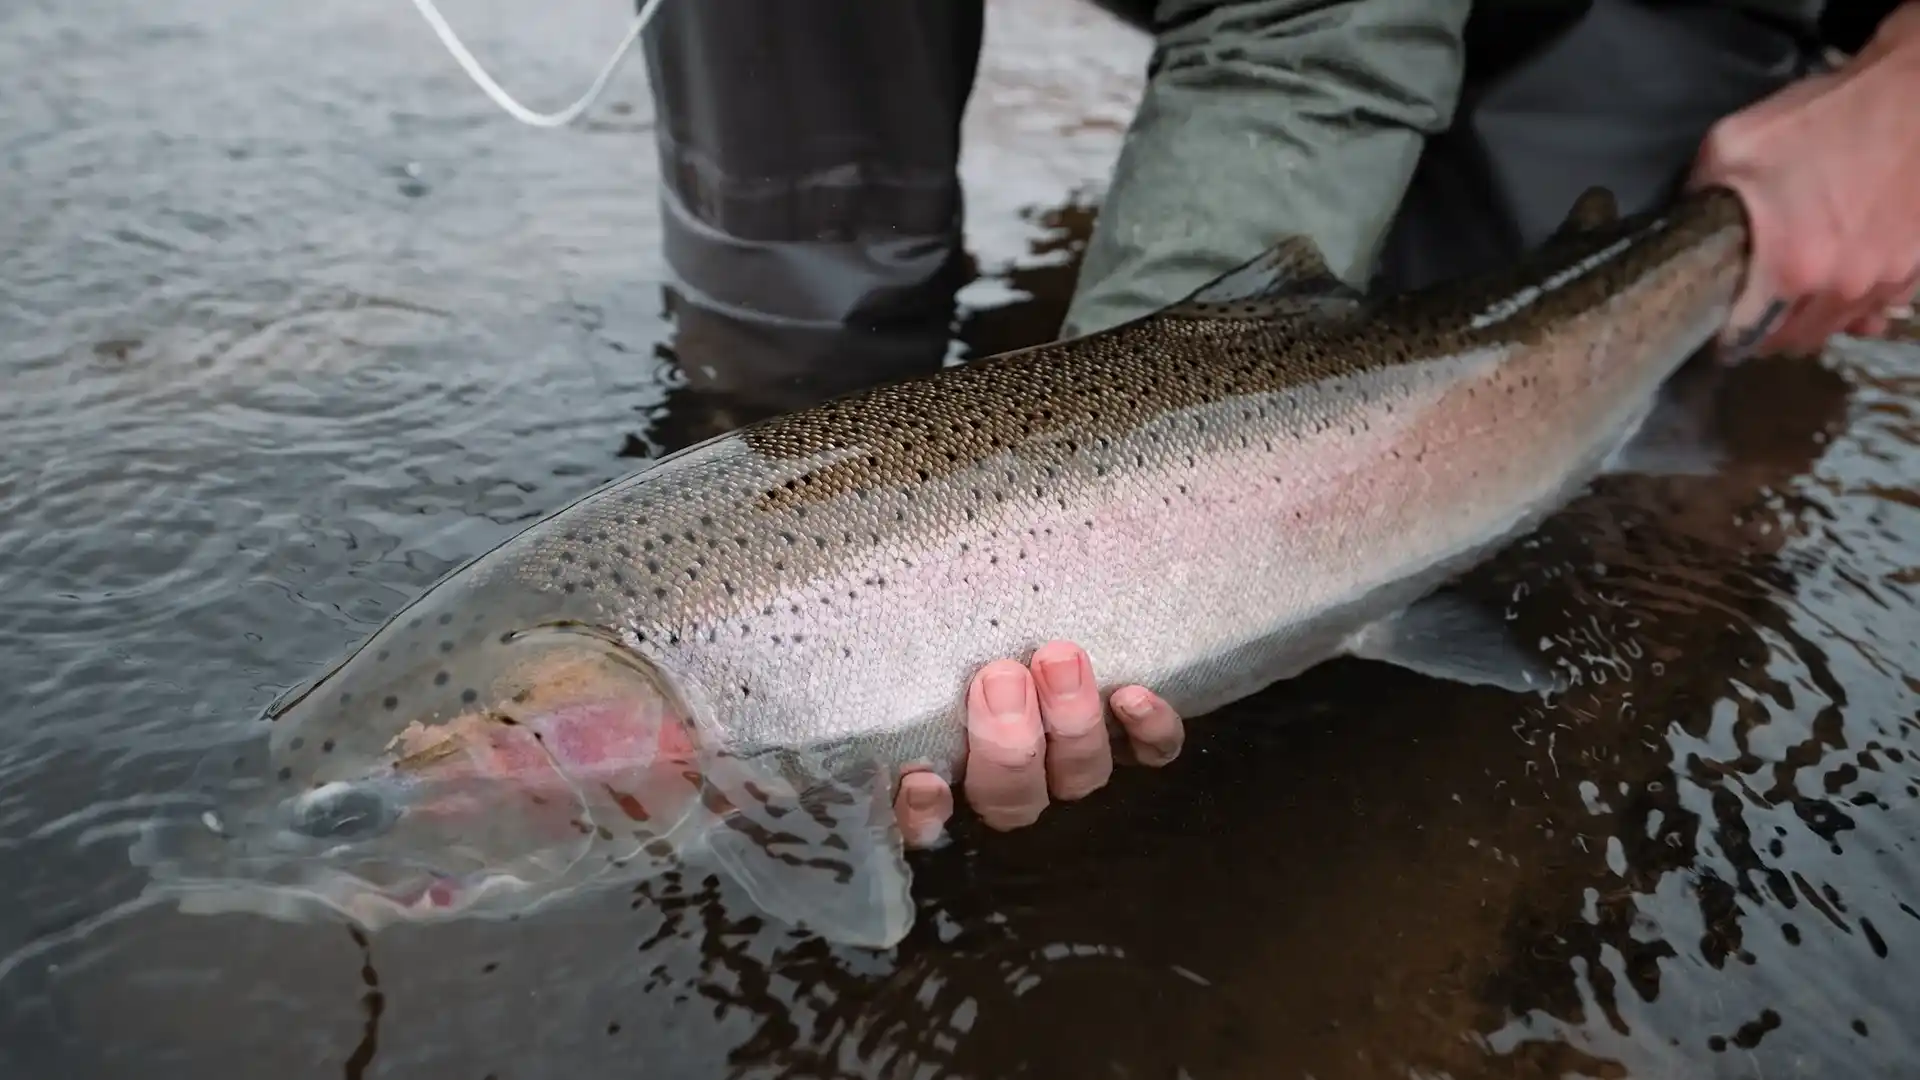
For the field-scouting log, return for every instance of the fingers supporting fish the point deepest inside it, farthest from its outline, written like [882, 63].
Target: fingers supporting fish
[922, 805]
[1079, 755]
[1006, 781]
[1153, 728]
[1036, 732]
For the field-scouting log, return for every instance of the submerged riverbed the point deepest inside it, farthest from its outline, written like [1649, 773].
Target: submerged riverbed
[292, 321]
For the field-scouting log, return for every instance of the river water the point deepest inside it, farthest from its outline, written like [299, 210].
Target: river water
[292, 321]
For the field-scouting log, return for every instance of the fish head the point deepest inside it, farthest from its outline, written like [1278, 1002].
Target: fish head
[497, 746]
[451, 766]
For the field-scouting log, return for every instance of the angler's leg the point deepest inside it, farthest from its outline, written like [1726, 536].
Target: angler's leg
[810, 200]
[1621, 97]
[1264, 119]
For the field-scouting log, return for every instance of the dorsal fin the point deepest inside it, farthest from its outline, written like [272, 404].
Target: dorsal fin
[1595, 208]
[1292, 273]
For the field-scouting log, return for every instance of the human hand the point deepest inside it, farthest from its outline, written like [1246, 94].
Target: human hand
[1827, 169]
[1033, 734]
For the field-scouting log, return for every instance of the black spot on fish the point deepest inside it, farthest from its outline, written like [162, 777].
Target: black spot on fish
[383, 654]
[446, 619]
[469, 696]
[390, 703]
[446, 646]
[285, 773]
[326, 746]
[440, 679]
[346, 699]
[296, 743]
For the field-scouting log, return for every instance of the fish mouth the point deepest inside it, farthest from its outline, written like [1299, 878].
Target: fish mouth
[206, 871]
[430, 897]
[422, 896]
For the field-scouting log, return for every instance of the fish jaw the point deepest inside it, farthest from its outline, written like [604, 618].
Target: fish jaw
[424, 898]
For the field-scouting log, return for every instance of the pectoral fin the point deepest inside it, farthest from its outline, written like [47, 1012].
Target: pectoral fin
[1447, 638]
[815, 849]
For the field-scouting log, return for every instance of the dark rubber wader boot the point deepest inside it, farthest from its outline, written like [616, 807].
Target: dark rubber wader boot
[810, 200]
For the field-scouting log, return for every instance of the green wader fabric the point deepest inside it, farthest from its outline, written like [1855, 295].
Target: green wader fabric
[812, 210]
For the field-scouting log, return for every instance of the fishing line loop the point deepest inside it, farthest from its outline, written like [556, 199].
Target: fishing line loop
[499, 95]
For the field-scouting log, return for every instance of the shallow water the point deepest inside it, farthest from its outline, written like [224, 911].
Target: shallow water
[291, 322]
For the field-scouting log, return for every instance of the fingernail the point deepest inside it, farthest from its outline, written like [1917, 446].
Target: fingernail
[923, 798]
[1061, 676]
[1744, 342]
[1133, 701]
[1006, 694]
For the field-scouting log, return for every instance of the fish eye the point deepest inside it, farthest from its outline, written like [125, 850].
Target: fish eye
[343, 812]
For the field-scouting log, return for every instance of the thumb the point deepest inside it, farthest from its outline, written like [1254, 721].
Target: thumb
[1756, 314]
[1759, 309]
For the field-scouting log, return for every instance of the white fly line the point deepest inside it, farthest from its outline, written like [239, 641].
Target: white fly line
[495, 91]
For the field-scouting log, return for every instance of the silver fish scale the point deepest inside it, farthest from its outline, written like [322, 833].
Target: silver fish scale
[1207, 500]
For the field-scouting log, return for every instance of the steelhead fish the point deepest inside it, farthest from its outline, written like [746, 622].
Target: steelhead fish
[731, 655]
